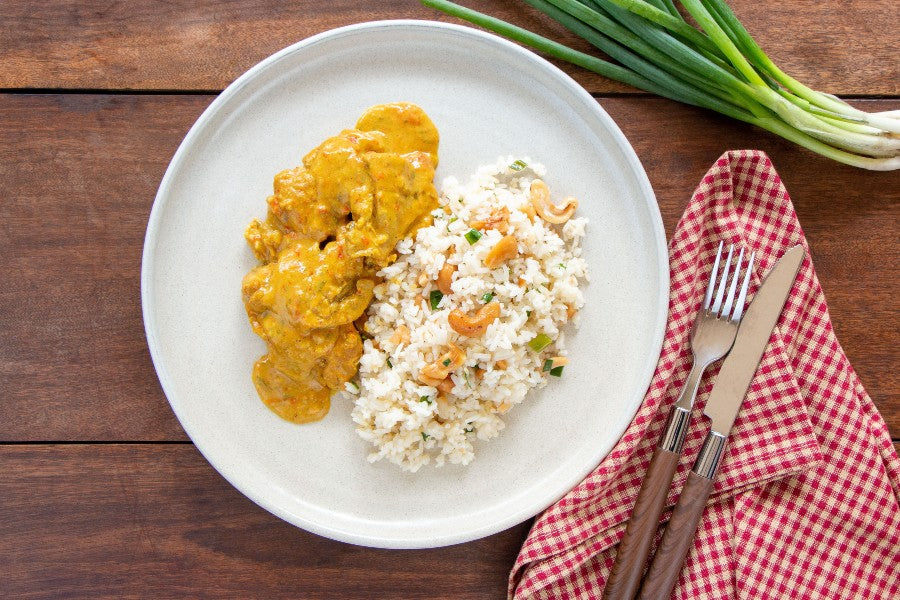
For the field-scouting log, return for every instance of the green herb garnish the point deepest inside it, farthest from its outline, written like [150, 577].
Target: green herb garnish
[446, 362]
[425, 399]
[435, 298]
[473, 235]
[487, 297]
[548, 364]
[539, 342]
[425, 436]
[518, 165]
[390, 364]
[556, 371]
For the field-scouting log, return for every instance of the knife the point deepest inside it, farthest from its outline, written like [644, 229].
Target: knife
[722, 408]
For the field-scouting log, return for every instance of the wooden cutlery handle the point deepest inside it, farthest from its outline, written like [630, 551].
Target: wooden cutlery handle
[677, 539]
[625, 578]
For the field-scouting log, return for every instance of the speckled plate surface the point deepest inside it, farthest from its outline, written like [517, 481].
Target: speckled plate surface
[488, 98]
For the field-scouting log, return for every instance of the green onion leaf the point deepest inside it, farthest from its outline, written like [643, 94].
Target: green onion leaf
[425, 436]
[425, 399]
[518, 165]
[390, 364]
[556, 371]
[540, 341]
[548, 364]
[355, 387]
[446, 362]
[435, 298]
[472, 236]
[487, 297]
[715, 65]
[528, 313]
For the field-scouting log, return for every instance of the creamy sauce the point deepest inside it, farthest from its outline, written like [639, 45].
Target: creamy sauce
[332, 224]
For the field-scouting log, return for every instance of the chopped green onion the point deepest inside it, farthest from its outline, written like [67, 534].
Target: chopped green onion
[556, 371]
[562, 266]
[446, 362]
[355, 387]
[528, 313]
[425, 436]
[435, 298]
[425, 399]
[390, 364]
[518, 165]
[540, 341]
[472, 236]
[487, 297]
[716, 65]
[548, 364]
[454, 218]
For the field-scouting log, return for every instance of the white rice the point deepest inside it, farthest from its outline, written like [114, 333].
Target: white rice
[412, 424]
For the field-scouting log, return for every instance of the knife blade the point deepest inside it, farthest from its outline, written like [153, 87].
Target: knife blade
[722, 408]
[756, 328]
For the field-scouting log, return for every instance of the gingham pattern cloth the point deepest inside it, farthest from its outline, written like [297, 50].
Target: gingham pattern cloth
[806, 502]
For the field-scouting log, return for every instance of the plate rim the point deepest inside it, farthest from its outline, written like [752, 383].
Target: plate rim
[160, 202]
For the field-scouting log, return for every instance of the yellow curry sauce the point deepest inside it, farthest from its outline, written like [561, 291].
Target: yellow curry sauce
[332, 224]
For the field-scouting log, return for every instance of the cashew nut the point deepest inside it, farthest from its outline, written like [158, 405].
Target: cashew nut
[401, 335]
[498, 219]
[446, 386]
[434, 373]
[445, 277]
[475, 326]
[544, 207]
[505, 249]
[559, 361]
[528, 209]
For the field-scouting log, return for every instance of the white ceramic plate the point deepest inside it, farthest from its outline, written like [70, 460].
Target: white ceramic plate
[488, 98]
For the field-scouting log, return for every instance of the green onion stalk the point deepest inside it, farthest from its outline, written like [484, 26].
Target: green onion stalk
[718, 66]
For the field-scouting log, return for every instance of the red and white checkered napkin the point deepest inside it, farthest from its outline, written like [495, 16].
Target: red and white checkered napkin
[806, 502]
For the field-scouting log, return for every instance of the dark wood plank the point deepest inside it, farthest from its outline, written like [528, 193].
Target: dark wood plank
[845, 48]
[79, 174]
[113, 521]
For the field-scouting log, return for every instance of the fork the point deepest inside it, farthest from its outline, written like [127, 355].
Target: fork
[712, 336]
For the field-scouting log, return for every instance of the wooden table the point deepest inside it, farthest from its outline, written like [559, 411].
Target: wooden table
[101, 492]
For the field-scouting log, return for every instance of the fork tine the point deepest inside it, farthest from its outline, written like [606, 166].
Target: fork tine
[723, 281]
[712, 278]
[742, 297]
[729, 302]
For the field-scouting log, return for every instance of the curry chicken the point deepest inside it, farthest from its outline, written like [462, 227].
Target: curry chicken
[332, 224]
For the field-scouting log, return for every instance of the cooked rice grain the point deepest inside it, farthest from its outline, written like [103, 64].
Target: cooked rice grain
[412, 424]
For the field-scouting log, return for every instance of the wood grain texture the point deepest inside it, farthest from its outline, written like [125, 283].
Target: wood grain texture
[633, 551]
[79, 173]
[677, 539]
[840, 47]
[117, 521]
